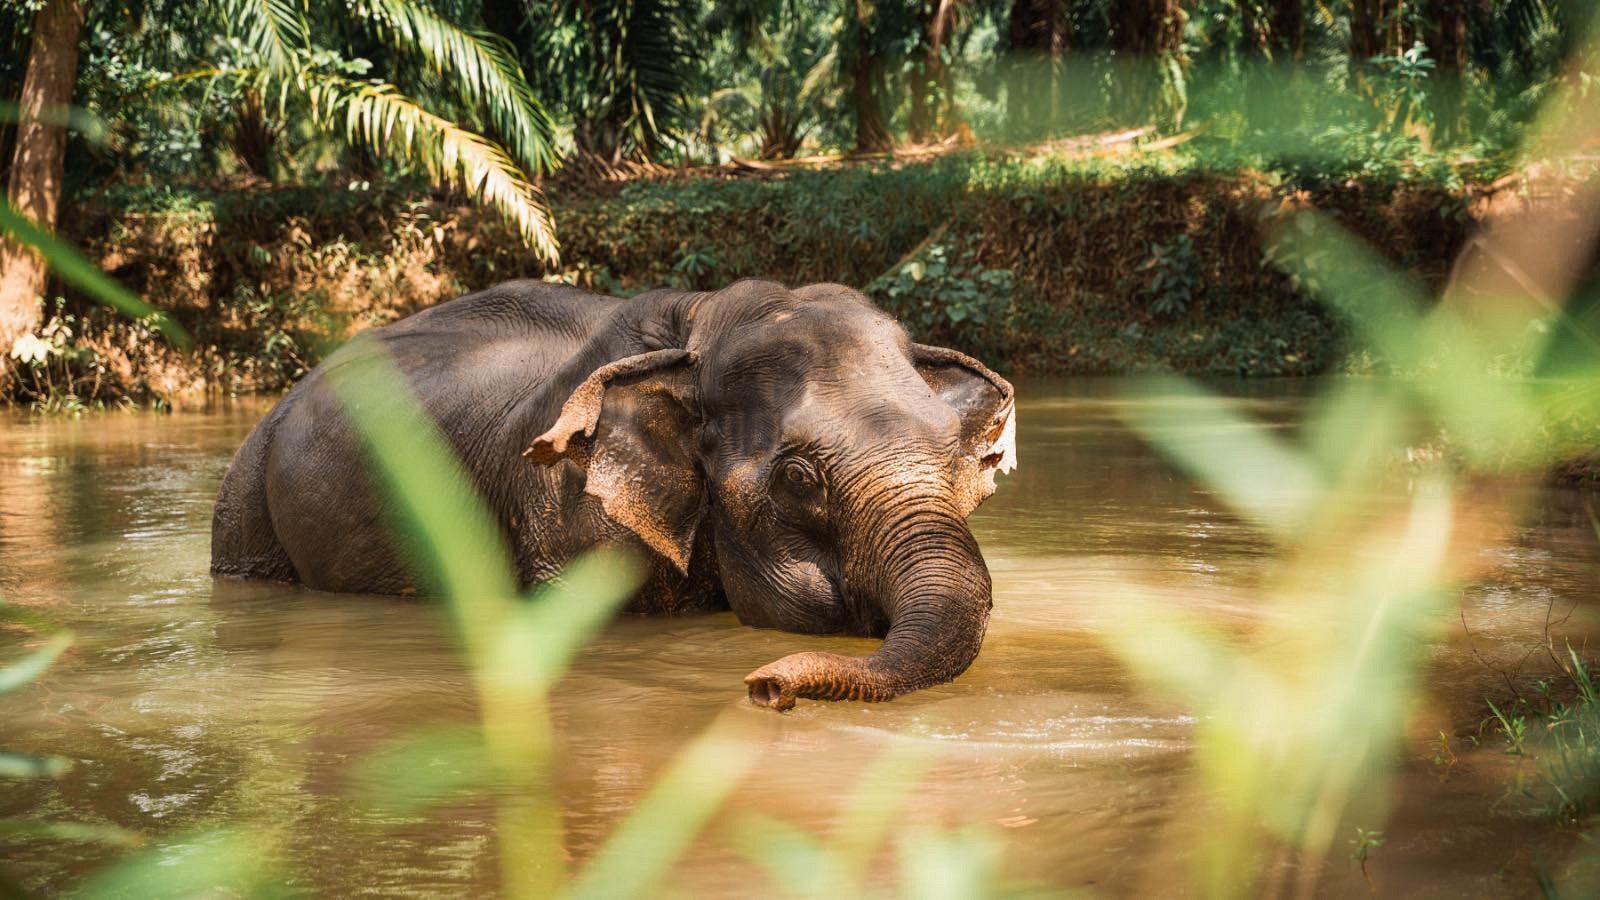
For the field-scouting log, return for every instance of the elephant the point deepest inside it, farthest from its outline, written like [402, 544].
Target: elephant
[791, 455]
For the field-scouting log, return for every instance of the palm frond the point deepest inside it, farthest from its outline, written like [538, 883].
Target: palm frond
[275, 30]
[482, 67]
[821, 80]
[386, 120]
[628, 73]
[729, 101]
[653, 50]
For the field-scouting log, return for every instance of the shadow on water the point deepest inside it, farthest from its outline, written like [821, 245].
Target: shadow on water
[189, 701]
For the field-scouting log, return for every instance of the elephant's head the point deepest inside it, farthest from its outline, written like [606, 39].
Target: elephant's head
[833, 461]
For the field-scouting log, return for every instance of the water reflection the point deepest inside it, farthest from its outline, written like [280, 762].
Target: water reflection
[189, 702]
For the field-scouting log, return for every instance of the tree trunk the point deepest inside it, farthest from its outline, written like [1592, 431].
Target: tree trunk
[1145, 36]
[1254, 32]
[930, 82]
[36, 164]
[1366, 17]
[1147, 27]
[1040, 32]
[1448, 23]
[1274, 49]
[872, 132]
[1289, 32]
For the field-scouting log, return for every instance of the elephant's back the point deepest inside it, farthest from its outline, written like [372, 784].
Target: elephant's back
[526, 327]
[472, 360]
[523, 307]
[469, 362]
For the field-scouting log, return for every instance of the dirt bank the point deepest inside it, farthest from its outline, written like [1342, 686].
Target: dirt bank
[1039, 265]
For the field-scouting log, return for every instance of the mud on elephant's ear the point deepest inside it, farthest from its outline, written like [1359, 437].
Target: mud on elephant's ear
[631, 426]
[984, 401]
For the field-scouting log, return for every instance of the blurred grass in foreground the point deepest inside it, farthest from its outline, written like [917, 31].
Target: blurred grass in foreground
[15, 765]
[1301, 722]
[71, 266]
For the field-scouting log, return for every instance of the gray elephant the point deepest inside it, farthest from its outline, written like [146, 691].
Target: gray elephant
[788, 454]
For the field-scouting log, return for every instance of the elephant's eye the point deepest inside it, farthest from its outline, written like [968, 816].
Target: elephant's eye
[798, 474]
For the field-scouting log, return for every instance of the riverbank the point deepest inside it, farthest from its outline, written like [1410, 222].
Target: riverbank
[1040, 264]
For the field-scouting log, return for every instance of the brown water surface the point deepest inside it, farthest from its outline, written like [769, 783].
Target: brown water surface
[189, 702]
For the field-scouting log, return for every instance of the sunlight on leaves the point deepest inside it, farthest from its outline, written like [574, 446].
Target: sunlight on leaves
[70, 265]
[634, 860]
[31, 666]
[1298, 721]
[1256, 473]
[224, 861]
[22, 765]
[409, 775]
[841, 864]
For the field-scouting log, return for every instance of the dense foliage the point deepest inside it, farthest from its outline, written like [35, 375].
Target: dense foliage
[1038, 264]
[251, 165]
[178, 89]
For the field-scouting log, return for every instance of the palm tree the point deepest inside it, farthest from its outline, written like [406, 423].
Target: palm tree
[931, 85]
[479, 66]
[1040, 34]
[1366, 39]
[1147, 40]
[1288, 32]
[1447, 23]
[864, 66]
[620, 67]
[282, 51]
[773, 76]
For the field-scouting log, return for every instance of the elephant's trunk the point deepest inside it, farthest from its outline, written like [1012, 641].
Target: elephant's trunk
[936, 592]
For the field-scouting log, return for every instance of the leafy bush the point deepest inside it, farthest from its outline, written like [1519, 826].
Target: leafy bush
[940, 293]
[268, 280]
[1173, 279]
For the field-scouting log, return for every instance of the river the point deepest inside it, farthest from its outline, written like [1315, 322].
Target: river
[188, 702]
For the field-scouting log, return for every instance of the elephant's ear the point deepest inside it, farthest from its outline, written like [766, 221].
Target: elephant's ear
[984, 401]
[631, 426]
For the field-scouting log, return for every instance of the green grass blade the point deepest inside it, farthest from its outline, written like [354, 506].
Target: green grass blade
[797, 863]
[437, 512]
[70, 831]
[222, 862]
[1448, 359]
[563, 615]
[667, 820]
[1261, 477]
[959, 865]
[404, 778]
[22, 765]
[31, 666]
[517, 646]
[77, 271]
[873, 810]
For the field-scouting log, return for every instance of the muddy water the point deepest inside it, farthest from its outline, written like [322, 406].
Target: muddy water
[189, 703]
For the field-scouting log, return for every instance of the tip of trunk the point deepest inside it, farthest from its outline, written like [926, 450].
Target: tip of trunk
[902, 665]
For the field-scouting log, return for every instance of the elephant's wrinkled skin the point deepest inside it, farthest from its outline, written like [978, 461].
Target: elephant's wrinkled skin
[787, 454]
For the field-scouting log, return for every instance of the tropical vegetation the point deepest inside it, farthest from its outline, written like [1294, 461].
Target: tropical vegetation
[220, 192]
[496, 101]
